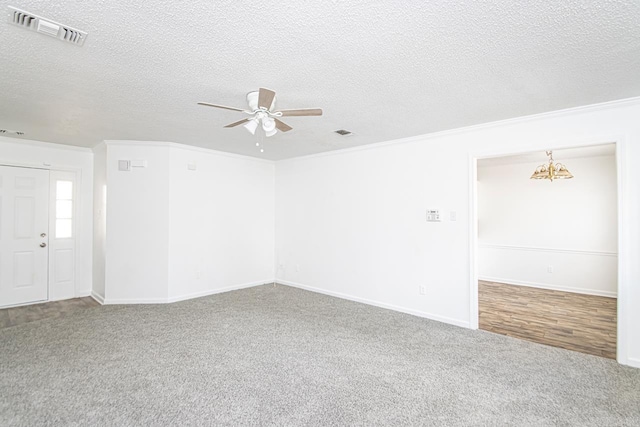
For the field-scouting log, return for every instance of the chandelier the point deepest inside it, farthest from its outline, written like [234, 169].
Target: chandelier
[551, 171]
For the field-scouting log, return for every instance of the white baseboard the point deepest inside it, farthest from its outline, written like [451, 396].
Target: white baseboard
[172, 299]
[217, 291]
[82, 294]
[633, 362]
[118, 301]
[97, 297]
[551, 287]
[443, 319]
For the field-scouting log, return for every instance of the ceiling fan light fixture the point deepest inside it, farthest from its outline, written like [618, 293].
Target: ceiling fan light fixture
[269, 126]
[268, 123]
[262, 111]
[251, 126]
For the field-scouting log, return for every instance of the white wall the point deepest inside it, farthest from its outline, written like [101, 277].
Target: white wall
[221, 222]
[137, 244]
[352, 223]
[56, 157]
[556, 235]
[174, 233]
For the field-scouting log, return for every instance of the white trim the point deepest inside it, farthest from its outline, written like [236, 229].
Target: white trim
[548, 250]
[22, 304]
[484, 126]
[430, 316]
[96, 296]
[169, 300]
[184, 147]
[474, 314]
[24, 166]
[44, 144]
[83, 294]
[456, 131]
[624, 248]
[59, 168]
[633, 362]
[550, 287]
[118, 301]
[217, 291]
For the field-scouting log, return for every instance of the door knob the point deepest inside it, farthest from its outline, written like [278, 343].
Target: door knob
[43, 244]
[43, 234]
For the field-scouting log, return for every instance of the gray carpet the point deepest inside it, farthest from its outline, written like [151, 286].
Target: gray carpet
[282, 356]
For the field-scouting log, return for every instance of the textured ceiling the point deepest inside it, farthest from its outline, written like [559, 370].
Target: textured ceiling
[382, 69]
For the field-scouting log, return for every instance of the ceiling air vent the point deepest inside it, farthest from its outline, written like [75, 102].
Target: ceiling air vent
[343, 132]
[41, 25]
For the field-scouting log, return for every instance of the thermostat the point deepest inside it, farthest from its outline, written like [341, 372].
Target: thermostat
[433, 215]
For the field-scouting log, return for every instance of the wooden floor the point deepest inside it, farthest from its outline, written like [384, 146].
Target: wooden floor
[578, 322]
[30, 313]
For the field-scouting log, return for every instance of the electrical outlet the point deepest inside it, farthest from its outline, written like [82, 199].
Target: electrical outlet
[550, 269]
[422, 290]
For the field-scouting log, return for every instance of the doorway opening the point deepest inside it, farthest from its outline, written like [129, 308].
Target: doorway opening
[547, 262]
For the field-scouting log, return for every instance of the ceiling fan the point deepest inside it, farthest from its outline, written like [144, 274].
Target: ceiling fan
[261, 109]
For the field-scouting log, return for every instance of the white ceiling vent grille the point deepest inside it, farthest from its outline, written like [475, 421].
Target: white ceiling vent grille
[41, 25]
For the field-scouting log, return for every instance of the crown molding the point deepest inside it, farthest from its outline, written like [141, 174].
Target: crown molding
[621, 103]
[167, 144]
[44, 144]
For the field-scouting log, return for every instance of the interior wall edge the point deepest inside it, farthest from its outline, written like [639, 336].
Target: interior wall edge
[633, 362]
[177, 298]
[96, 296]
[418, 313]
[45, 144]
[177, 145]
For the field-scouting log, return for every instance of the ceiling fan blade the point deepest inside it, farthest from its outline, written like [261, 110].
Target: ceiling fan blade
[302, 112]
[282, 126]
[265, 98]
[220, 106]
[238, 123]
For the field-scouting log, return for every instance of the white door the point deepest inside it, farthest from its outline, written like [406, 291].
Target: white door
[24, 219]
